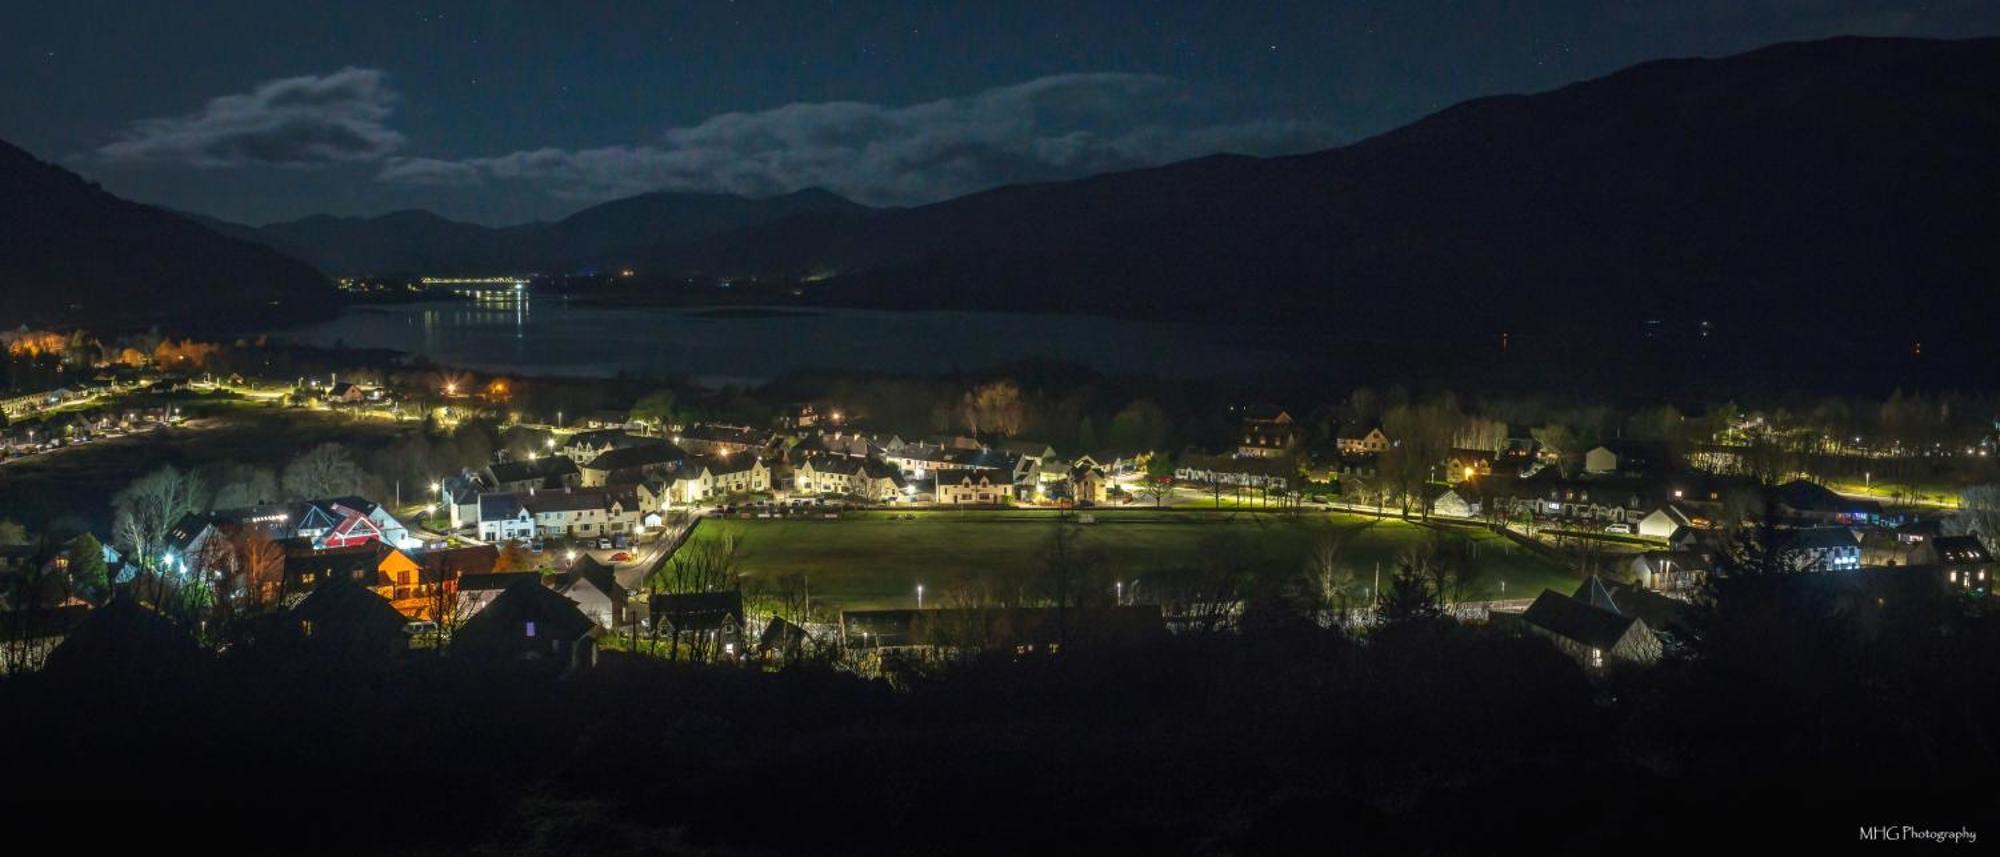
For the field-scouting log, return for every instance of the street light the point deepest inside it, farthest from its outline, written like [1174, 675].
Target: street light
[920, 596]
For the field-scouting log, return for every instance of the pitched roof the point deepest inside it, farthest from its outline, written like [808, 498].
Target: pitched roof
[499, 628]
[123, 637]
[566, 500]
[341, 601]
[638, 456]
[599, 575]
[970, 477]
[549, 470]
[697, 611]
[1823, 538]
[1576, 620]
[1960, 550]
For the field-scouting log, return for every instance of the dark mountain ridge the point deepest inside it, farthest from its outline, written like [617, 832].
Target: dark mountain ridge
[1842, 190]
[72, 253]
[602, 236]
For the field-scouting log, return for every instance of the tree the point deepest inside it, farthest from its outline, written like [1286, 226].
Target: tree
[1409, 597]
[513, 557]
[262, 561]
[326, 470]
[245, 486]
[147, 510]
[1563, 443]
[89, 576]
[12, 533]
[1331, 578]
[1141, 427]
[1421, 436]
[659, 407]
[992, 408]
[1978, 515]
[1069, 575]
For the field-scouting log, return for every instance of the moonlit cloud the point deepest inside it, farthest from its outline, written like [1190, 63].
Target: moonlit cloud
[1050, 128]
[304, 121]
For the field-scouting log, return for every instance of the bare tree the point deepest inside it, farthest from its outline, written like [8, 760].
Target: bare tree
[326, 470]
[145, 512]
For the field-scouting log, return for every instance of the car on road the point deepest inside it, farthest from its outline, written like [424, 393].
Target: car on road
[621, 556]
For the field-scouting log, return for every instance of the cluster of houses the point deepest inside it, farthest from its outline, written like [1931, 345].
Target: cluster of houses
[611, 482]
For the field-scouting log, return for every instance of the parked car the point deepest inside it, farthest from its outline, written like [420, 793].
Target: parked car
[1618, 528]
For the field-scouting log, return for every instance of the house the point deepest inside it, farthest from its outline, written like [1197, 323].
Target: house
[476, 590]
[1594, 635]
[435, 583]
[720, 439]
[782, 637]
[684, 484]
[124, 642]
[347, 521]
[871, 479]
[1663, 522]
[371, 565]
[534, 474]
[971, 487]
[528, 621]
[28, 636]
[607, 419]
[733, 474]
[1456, 502]
[1671, 570]
[1219, 470]
[1825, 549]
[1464, 465]
[714, 618]
[343, 620]
[1963, 561]
[569, 513]
[587, 445]
[631, 463]
[1663, 615]
[596, 592]
[1267, 432]
[346, 393]
[1088, 486]
[1373, 442]
[1703, 541]
[1807, 501]
[799, 415]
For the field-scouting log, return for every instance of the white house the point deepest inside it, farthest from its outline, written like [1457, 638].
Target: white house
[873, 479]
[1372, 442]
[1457, 502]
[743, 473]
[577, 513]
[1662, 522]
[972, 487]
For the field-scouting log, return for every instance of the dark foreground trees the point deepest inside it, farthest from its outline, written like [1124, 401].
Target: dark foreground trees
[1424, 736]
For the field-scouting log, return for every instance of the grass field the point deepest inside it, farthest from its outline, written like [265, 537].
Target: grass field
[77, 483]
[876, 560]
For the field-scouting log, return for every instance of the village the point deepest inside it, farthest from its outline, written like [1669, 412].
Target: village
[726, 541]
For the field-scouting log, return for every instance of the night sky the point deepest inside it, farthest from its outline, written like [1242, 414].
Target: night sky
[502, 112]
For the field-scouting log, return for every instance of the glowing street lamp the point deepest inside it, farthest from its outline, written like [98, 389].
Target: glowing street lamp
[920, 596]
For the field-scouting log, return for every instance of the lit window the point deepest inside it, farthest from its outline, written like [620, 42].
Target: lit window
[530, 628]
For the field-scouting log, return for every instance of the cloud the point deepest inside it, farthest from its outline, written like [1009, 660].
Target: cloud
[291, 122]
[1050, 128]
